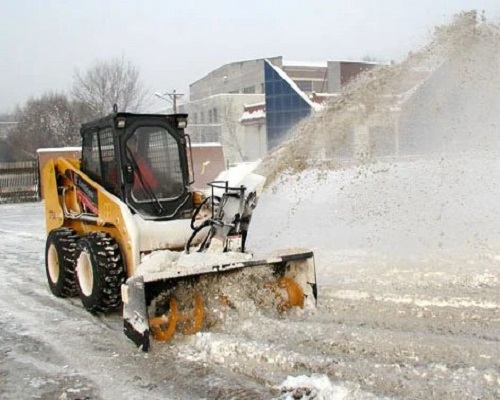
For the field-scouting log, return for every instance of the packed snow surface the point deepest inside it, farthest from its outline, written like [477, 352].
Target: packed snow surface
[405, 232]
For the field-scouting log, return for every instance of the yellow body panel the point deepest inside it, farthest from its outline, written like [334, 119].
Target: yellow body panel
[109, 218]
[74, 200]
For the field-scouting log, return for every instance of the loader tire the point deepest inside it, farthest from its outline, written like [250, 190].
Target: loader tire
[99, 272]
[60, 262]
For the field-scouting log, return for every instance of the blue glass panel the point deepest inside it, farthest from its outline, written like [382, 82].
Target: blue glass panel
[284, 106]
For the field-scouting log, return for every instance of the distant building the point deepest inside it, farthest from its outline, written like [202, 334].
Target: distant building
[253, 121]
[251, 106]
[215, 119]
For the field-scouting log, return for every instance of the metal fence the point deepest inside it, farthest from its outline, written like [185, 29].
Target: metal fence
[19, 182]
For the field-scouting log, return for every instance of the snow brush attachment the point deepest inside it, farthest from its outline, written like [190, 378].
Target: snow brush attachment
[292, 273]
[163, 328]
[189, 320]
[288, 292]
[186, 317]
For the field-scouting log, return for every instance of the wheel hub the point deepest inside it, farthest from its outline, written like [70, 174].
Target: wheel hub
[53, 264]
[85, 273]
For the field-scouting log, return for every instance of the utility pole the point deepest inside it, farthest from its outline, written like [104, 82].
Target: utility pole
[172, 98]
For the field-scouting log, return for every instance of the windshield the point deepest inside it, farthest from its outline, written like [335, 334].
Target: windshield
[154, 155]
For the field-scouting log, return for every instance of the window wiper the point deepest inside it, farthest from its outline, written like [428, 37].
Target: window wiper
[145, 185]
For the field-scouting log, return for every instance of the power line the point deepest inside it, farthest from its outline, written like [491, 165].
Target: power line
[173, 96]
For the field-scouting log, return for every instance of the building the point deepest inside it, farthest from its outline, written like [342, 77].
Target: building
[247, 77]
[251, 106]
[215, 119]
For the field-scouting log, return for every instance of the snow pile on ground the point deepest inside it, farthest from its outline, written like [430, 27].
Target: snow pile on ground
[314, 387]
[250, 357]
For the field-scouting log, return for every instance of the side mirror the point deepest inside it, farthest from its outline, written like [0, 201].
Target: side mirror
[128, 174]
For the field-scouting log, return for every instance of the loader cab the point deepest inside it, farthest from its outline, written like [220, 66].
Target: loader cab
[142, 159]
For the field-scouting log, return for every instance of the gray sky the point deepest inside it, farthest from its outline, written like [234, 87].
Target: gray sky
[174, 43]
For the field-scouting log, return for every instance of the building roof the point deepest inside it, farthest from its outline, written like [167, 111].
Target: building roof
[307, 64]
[254, 113]
[322, 97]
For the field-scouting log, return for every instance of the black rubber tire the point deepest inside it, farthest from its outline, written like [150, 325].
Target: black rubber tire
[60, 262]
[99, 272]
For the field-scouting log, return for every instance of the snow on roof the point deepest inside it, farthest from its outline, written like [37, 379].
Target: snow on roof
[294, 86]
[324, 64]
[253, 115]
[253, 112]
[322, 94]
[308, 64]
[321, 98]
[222, 96]
[259, 104]
[363, 62]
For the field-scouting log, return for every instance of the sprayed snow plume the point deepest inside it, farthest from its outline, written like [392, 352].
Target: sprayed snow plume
[442, 98]
[404, 162]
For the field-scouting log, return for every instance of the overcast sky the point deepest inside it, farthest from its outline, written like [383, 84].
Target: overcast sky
[175, 43]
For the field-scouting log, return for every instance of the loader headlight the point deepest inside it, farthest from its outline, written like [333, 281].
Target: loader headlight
[182, 123]
[120, 123]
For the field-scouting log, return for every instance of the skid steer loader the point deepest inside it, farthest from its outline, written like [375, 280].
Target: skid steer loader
[126, 229]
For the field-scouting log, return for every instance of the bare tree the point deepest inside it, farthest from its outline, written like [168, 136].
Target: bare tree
[48, 121]
[230, 124]
[107, 83]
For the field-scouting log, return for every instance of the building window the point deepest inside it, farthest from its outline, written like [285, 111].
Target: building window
[210, 116]
[285, 107]
[305, 86]
[215, 116]
[250, 89]
[202, 117]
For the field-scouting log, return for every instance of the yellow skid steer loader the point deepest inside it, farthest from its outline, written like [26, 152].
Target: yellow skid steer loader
[125, 229]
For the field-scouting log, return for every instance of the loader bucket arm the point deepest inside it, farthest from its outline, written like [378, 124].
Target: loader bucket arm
[294, 271]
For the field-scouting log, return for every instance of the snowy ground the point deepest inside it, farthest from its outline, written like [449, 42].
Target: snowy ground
[408, 302]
